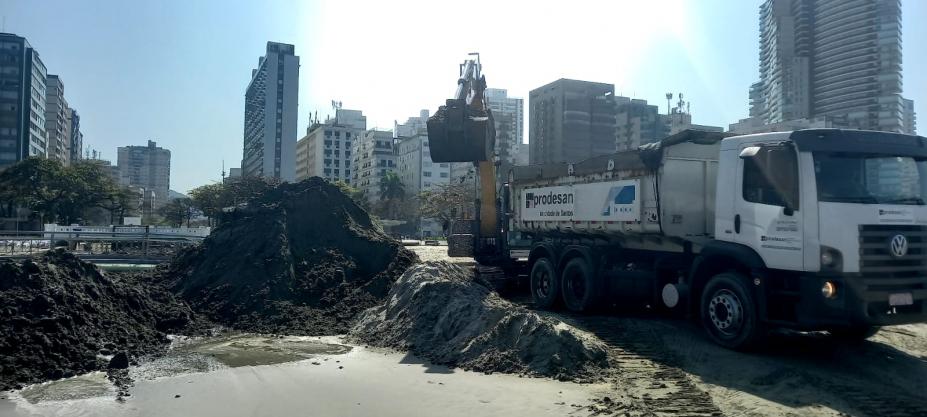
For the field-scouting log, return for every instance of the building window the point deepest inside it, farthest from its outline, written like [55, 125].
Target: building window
[443, 175]
[426, 173]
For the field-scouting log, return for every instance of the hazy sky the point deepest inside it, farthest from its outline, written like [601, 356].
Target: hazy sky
[176, 71]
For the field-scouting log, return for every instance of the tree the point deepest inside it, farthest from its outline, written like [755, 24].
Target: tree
[178, 211]
[446, 201]
[392, 196]
[122, 202]
[356, 195]
[39, 184]
[208, 200]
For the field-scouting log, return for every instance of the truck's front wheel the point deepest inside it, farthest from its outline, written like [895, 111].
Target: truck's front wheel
[545, 285]
[729, 312]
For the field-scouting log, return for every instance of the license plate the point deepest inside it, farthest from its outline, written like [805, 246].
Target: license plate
[904, 299]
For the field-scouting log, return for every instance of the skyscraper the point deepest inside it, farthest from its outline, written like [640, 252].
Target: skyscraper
[834, 58]
[909, 118]
[325, 151]
[147, 167]
[57, 127]
[508, 117]
[77, 138]
[373, 158]
[638, 123]
[270, 115]
[571, 121]
[22, 105]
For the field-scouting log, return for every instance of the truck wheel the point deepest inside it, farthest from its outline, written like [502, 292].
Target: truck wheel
[578, 285]
[545, 285]
[855, 333]
[729, 312]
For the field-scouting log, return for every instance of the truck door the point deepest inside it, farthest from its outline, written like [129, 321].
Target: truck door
[766, 208]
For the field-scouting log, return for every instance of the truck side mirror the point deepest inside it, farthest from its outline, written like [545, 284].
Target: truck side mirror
[749, 152]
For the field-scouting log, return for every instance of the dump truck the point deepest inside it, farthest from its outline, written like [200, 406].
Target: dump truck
[813, 230]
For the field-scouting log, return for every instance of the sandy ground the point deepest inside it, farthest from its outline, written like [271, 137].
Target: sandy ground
[662, 367]
[330, 379]
[668, 367]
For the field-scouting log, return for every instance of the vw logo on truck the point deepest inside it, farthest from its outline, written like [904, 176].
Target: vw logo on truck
[898, 246]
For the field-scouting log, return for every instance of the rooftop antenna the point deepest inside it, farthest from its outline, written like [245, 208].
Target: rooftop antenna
[223, 170]
[669, 97]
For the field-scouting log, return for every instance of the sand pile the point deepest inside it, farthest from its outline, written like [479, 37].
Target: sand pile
[57, 314]
[301, 259]
[438, 311]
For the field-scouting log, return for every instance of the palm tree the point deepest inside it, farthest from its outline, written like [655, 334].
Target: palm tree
[392, 193]
[391, 187]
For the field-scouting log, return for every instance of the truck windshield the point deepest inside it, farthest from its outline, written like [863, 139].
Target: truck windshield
[870, 178]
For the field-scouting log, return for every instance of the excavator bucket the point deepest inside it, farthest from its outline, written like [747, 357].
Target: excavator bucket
[458, 133]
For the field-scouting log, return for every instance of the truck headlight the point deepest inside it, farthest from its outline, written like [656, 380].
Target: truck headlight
[829, 289]
[831, 259]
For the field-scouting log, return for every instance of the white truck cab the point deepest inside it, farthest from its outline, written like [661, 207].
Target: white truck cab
[843, 211]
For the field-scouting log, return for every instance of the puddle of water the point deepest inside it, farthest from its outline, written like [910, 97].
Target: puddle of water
[251, 350]
[89, 385]
[193, 355]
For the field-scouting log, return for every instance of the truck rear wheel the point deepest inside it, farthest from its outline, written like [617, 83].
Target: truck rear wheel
[579, 285]
[729, 314]
[545, 284]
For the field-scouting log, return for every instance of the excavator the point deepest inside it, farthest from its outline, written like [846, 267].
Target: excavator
[462, 130]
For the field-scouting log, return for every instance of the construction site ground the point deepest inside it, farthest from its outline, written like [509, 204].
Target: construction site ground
[667, 367]
[658, 367]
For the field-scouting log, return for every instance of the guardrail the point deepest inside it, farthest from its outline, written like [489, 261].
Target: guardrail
[136, 242]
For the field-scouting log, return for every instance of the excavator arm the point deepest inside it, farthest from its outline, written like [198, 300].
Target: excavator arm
[462, 131]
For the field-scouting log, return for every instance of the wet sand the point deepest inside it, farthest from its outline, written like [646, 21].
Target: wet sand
[232, 377]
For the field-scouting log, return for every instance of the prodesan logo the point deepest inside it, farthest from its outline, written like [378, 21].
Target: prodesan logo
[533, 200]
[620, 200]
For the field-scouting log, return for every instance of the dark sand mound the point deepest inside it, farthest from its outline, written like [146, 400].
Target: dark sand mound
[301, 259]
[437, 311]
[58, 313]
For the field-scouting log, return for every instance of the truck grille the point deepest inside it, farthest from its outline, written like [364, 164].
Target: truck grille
[881, 270]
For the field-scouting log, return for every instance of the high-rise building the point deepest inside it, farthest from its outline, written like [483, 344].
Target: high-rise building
[413, 126]
[270, 115]
[509, 120]
[835, 58]
[571, 121]
[638, 123]
[57, 127]
[418, 173]
[415, 168]
[77, 138]
[22, 101]
[373, 157]
[325, 151]
[146, 167]
[909, 118]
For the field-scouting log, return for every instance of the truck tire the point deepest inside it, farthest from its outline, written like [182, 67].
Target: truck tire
[729, 312]
[855, 333]
[545, 284]
[579, 286]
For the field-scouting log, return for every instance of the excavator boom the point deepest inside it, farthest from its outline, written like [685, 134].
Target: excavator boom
[462, 131]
